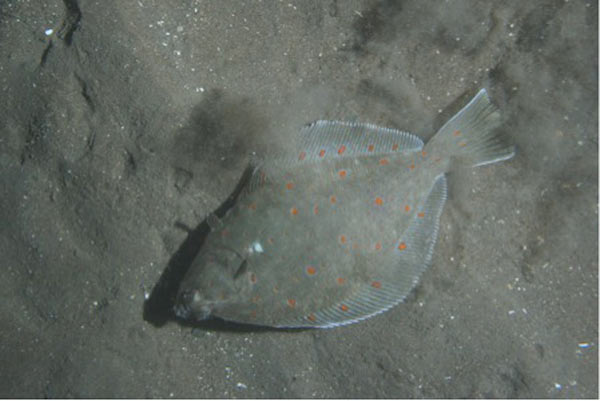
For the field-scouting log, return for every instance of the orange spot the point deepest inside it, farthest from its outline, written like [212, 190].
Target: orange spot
[294, 211]
[340, 280]
[322, 153]
[289, 185]
[378, 201]
[378, 246]
[253, 278]
[343, 239]
[424, 153]
[341, 149]
[437, 159]
[395, 146]
[316, 209]
[456, 133]
[311, 317]
[255, 299]
[355, 246]
[302, 156]
[342, 173]
[344, 307]
[333, 199]
[376, 284]
[270, 241]
[407, 208]
[421, 214]
[371, 148]
[291, 303]
[462, 144]
[383, 162]
[412, 166]
[402, 246]
[310, 270]
[252, 206]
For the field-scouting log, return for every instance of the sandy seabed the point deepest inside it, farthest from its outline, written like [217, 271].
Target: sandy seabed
[124, 123]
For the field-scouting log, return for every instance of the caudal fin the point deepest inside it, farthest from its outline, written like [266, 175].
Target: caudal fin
[471, 136]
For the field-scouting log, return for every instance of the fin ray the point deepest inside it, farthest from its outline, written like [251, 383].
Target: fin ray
[471, 135]
[325, 140]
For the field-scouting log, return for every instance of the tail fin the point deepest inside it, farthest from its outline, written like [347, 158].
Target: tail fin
[470, 135]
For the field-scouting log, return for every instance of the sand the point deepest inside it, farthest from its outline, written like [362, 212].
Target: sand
[124, 123]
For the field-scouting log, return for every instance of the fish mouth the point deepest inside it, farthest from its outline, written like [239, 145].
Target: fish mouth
[187, 307]
[182, 311]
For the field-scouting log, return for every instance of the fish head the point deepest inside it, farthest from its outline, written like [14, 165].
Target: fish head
[216, 279]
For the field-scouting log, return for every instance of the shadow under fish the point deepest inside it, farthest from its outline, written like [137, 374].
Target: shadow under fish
[338, 230]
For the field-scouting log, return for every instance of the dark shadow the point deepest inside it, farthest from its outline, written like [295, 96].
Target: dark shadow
[376, 24]
[219, 134]
[216, 324]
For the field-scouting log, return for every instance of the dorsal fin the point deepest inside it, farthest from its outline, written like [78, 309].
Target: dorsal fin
[329, 140]
[323, 140]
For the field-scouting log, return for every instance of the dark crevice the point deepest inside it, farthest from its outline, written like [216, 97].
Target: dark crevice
[71, 21]
[130, 163]
[85, 92]
[44, 57]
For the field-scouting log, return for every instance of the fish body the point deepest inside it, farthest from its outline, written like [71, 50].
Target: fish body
[338, 230]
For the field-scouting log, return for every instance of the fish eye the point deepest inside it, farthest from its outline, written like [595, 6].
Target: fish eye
[189, 306]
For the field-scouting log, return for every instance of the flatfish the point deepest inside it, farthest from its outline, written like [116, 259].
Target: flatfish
[339, 229]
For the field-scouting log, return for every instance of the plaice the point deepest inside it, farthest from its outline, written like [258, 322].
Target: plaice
[338, 230]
